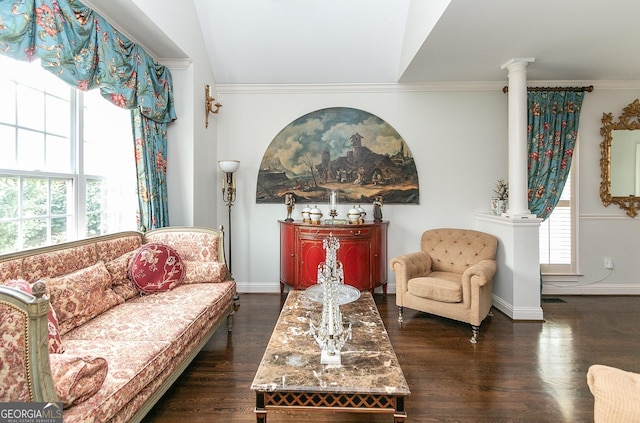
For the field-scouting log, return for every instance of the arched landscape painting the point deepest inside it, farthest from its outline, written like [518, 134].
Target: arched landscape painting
[346, 150]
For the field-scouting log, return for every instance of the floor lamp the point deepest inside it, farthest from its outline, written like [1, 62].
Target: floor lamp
[229, 195]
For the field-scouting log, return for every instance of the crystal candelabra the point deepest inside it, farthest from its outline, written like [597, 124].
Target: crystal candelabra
[331, 335]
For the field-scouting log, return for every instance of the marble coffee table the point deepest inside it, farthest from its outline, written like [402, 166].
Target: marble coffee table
[290, 376]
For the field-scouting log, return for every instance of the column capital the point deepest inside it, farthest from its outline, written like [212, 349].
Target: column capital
[520, 62]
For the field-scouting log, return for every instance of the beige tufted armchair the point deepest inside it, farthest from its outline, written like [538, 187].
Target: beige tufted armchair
[451, 276]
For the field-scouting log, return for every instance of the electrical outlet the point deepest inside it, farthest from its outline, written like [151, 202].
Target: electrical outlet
[608, 263]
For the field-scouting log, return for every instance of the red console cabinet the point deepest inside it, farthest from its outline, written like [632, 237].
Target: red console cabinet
[363, 253]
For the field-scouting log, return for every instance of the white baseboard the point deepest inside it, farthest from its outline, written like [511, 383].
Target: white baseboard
[518, 313]
[270, 287]
[592, 289]
[257, 287]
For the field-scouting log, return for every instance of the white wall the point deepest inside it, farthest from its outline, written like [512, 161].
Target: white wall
[458, 137]
[458, 140]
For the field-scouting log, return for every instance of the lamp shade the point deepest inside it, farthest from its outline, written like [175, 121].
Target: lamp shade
[229, 166]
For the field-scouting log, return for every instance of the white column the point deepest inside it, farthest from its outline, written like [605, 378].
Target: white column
[516, 285]
[518, 202]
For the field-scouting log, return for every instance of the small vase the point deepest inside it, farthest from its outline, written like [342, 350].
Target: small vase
[354, 215]
[315, 215]
[306, 214]
[499, 206]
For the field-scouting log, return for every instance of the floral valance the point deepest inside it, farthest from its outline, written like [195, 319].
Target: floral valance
[82, 48]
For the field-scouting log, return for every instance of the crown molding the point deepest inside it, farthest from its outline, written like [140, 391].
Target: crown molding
[359, 88]
[175, 64]
[409, 87]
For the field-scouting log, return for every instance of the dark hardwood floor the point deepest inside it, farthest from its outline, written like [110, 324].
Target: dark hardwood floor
[518, 372]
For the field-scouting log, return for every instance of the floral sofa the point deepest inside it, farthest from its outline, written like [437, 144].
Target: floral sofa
[77, 328]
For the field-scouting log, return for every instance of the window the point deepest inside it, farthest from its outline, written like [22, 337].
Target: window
[557, 233]
[67, 167]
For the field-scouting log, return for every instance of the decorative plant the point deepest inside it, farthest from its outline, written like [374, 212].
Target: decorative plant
[502, 189]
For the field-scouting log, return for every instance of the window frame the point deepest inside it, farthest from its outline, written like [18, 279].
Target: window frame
[77, 202]
[568, 272]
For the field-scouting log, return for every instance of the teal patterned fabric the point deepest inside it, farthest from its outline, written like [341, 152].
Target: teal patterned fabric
[82, 48]
[551, 131]
[151, 165]
[79, 46]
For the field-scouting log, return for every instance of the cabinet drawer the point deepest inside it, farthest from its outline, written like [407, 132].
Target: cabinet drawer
[341, 232]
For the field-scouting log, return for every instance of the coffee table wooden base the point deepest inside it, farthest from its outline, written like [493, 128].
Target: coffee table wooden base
[292, 377]
[329, 401]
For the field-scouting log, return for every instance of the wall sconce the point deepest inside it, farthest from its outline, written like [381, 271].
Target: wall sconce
[209, 104]
[229, 193]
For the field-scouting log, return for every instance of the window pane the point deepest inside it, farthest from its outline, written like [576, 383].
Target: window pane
[59, 231]
[8, 103]
[30, 150]
[556, 233]
[94, 207]
[56, 86]
[94, 224]
[8, 237]
[30, 108]
[94, 195]
[58, 116]
[555, 237]
[29, 74]
[60, 196]
[8, 197]
[58, 154]
[35, 233]
[107, 137]
[34, 197]
[7, 67]
[7, 147]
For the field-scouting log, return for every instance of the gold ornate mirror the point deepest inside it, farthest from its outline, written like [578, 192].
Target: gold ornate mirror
[620, 159]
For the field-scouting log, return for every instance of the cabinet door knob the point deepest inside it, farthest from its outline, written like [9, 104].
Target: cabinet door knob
[355, 233]
[293, 254]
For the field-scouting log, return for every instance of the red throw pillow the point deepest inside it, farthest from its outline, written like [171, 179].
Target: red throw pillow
[156, 268]
[55, 343]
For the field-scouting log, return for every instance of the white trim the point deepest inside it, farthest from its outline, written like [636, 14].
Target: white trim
[598, 216]
[593, 289]
[257, 287]
[560, 277]
[177, 64]
[411, 87]
[518, 313]
[356, 88]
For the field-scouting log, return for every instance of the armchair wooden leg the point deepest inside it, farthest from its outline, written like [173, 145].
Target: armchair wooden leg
[400, 320]
[475, 330]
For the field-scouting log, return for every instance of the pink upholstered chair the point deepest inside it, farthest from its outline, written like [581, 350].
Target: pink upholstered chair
[451, 276]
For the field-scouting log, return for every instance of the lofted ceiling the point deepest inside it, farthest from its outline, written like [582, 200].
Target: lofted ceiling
[402, 41]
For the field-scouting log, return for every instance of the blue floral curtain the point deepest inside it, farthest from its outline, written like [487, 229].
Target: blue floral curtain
[552, 131]
[79, 46]
[151, 164]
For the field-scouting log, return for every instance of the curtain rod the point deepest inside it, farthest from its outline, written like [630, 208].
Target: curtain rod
[576, 89]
